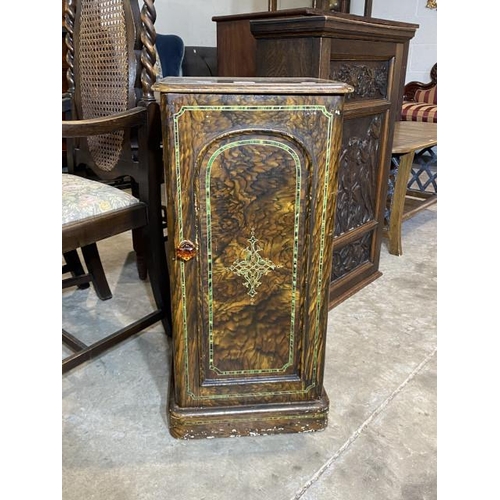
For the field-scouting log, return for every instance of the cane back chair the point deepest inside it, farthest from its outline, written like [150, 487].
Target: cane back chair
[115, 131]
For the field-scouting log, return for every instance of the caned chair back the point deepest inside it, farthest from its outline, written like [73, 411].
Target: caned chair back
[111, 60]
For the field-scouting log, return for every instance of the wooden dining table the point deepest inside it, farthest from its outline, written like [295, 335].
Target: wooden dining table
[403, 199]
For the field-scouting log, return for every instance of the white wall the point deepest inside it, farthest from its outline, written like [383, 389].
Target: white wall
[192, 21]
[423, 47]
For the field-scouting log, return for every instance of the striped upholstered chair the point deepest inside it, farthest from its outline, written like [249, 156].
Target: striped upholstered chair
[420, 105]
[420, 100]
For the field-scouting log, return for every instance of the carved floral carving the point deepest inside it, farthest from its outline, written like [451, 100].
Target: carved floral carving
[357, 173]
[356, 196]
[351, 256]
[368, 81]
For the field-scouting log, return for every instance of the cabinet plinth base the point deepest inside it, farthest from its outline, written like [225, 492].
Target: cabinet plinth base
[255, 420]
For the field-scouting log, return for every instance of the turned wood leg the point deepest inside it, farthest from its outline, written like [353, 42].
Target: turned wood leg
[398, 203]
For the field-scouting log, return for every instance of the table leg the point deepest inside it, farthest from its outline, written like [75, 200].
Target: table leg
[397, 203]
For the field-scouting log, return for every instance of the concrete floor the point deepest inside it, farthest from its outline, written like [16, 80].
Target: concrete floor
[380, 375]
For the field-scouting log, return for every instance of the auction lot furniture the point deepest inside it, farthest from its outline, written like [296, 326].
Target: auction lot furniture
[369, 54]
[251, 174]
[403, 200]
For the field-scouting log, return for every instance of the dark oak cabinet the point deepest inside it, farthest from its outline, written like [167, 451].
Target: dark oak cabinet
[369, 54]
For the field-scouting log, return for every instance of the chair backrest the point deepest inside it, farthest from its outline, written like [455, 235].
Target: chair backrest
[170, 53]
[111, 57]
[412, 87]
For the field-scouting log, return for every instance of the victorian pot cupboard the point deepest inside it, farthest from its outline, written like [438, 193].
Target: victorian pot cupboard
[251, 175]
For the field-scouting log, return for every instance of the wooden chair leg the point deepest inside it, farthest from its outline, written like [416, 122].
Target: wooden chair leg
[138, 242]
[74, 266]
[140, 253]
[96, 271]
[158, 269]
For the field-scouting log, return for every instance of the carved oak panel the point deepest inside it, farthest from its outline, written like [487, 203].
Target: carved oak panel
[369, 78]
[351, 256]
[358, 171]
[368, 53]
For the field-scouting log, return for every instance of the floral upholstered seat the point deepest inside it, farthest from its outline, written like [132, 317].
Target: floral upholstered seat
[84, 199]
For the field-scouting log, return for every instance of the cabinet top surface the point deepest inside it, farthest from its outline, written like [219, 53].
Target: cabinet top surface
[345, 25]
[258, 85]
[310, 12]
[305, 11]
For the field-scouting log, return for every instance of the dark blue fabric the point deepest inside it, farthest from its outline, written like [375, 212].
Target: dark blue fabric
[170, 50]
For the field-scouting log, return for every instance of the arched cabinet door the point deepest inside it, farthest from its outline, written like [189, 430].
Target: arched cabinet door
[251, 183]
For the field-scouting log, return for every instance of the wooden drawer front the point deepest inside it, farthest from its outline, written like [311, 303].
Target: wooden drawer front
[242, 176]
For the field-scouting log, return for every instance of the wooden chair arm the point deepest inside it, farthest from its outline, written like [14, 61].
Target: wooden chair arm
[102, 125]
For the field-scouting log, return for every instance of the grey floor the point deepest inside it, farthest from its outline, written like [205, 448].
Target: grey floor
[380, 375]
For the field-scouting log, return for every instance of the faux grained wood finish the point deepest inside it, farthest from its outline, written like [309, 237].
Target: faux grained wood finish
[242, 194]
[259, 419]
[252, 181]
